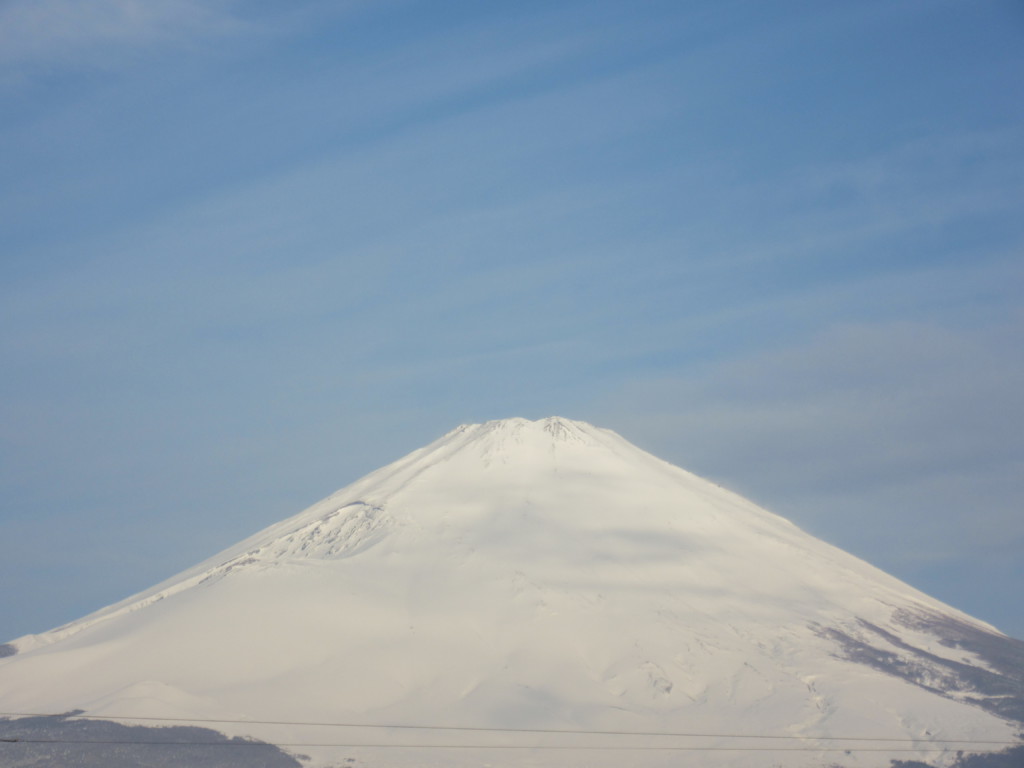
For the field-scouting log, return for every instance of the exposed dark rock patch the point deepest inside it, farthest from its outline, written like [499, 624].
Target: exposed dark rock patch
[1002, 653]
[996, 684]
[1009, 758]
[6, 649]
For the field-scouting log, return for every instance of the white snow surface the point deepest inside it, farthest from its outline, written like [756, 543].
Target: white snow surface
[514, 574]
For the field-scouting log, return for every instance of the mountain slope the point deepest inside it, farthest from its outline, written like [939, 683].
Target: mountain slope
[546, 574]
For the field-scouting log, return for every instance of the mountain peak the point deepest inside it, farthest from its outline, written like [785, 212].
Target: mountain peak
[537, 574]
[541, 443]
[556, 428]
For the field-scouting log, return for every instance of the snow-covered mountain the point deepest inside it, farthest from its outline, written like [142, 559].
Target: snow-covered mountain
[538, 576]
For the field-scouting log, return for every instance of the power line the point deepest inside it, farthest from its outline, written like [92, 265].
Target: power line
[485, 729]
[577, 747]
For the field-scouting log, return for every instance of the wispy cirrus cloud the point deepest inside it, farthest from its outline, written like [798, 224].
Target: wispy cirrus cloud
[71, 32]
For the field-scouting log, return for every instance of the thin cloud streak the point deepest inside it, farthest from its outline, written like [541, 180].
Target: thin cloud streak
[69, 32]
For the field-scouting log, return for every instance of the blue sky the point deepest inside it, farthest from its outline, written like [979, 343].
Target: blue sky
[253, 250]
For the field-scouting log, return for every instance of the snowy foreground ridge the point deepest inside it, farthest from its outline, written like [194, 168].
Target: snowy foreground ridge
[510, 582]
